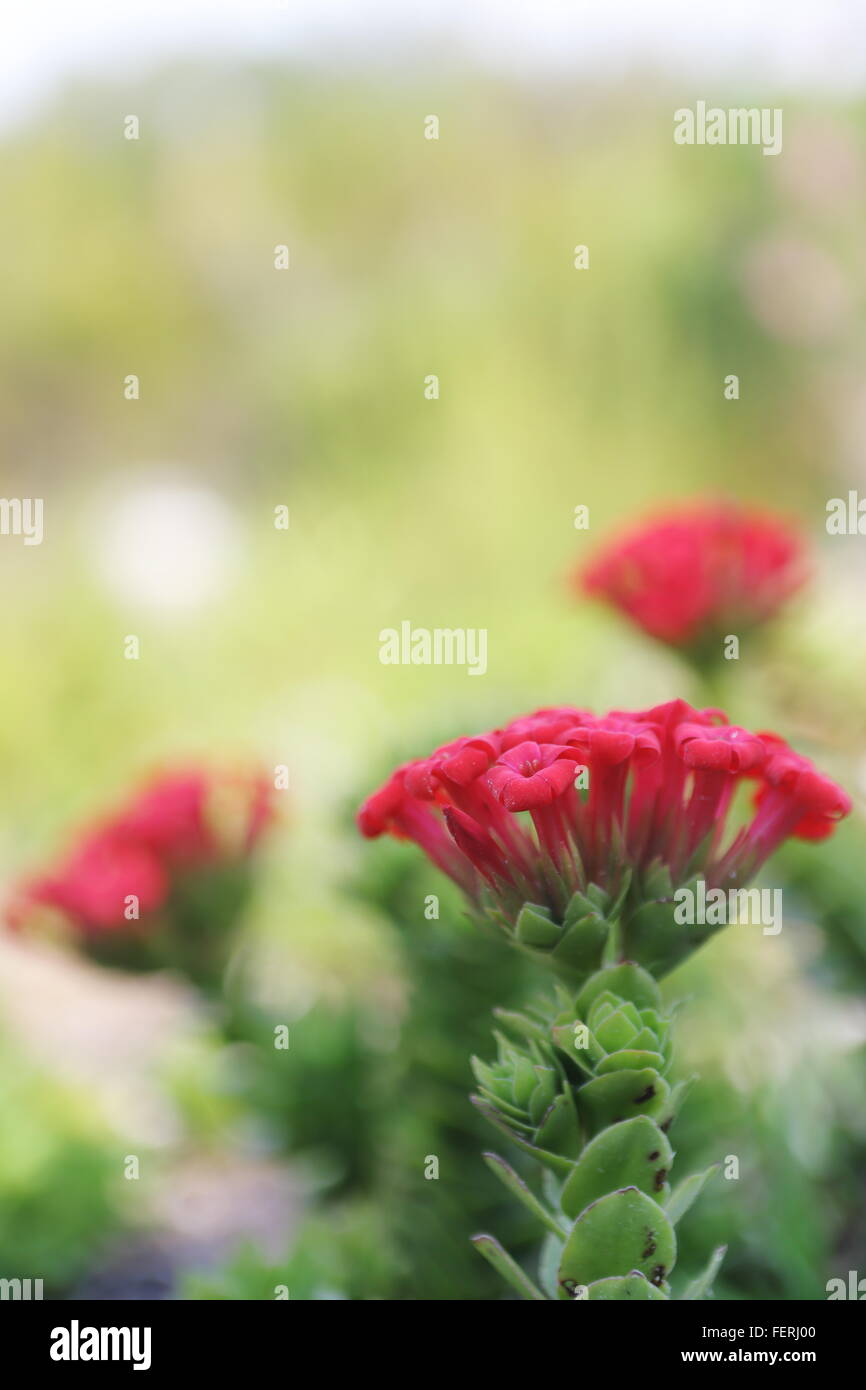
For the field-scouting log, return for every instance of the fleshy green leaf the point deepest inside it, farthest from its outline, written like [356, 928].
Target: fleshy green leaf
[620, 1096]
[632, 1154]
[510, 1270]
[517, 1187]
[675, 1099]
[657, 881]
[686, 1192]
[602, 1007]
[701, 1287]
[548, 1264]
[615, 905]
[551, 1187]
[633, 1286]
[626, 981]
[509, 1114]
[565, 1037]
[597, 896]
[524, 1081]
[483, 1073]
[535, 928]
[559, 1130]
[544, 1093]
[654, 937]
[582, 944]
[580, 905]
[629, 1059]
[617, 1031]
[517, 1023]
[557, 1162]
[622, 1232]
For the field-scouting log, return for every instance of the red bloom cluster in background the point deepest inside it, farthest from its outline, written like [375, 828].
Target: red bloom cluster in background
[699, 572]
[179, 822]
[600, 794]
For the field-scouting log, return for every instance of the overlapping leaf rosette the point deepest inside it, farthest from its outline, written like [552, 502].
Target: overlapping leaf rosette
[572, 832]
[162, 881]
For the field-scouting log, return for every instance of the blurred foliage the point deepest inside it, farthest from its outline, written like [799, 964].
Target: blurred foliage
[367, 1111]
[321, 1099]
[58, 1176]
[456, 976]
[828, 888]
[790, 1224]
[341, 1255]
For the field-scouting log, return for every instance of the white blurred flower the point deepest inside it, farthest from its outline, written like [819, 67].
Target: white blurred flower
[166, 545]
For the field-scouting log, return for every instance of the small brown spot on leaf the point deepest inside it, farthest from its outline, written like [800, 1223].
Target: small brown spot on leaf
[647, 1095]
[661, 1177]
[650, 1245]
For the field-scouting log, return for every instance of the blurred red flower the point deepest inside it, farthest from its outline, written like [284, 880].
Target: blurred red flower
[693, 575]
[93, 885]
[179, 822]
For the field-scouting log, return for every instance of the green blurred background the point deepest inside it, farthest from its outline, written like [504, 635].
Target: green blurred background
[305, 387]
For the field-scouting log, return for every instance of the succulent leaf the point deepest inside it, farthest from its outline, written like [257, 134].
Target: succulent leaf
[621, 1232]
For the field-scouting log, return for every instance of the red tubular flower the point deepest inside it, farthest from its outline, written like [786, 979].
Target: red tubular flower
[530, 775]
[405, 813]
[606, 804]
[691, 576]
[793, 799]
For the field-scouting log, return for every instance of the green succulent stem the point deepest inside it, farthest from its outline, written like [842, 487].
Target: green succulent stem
[580, 1087]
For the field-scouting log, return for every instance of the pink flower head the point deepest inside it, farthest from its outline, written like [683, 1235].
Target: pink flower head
[689, 576]
[618, 803]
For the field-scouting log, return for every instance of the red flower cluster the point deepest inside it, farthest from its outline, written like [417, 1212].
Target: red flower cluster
[178, 822]
[698, 573]
[562, 799]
